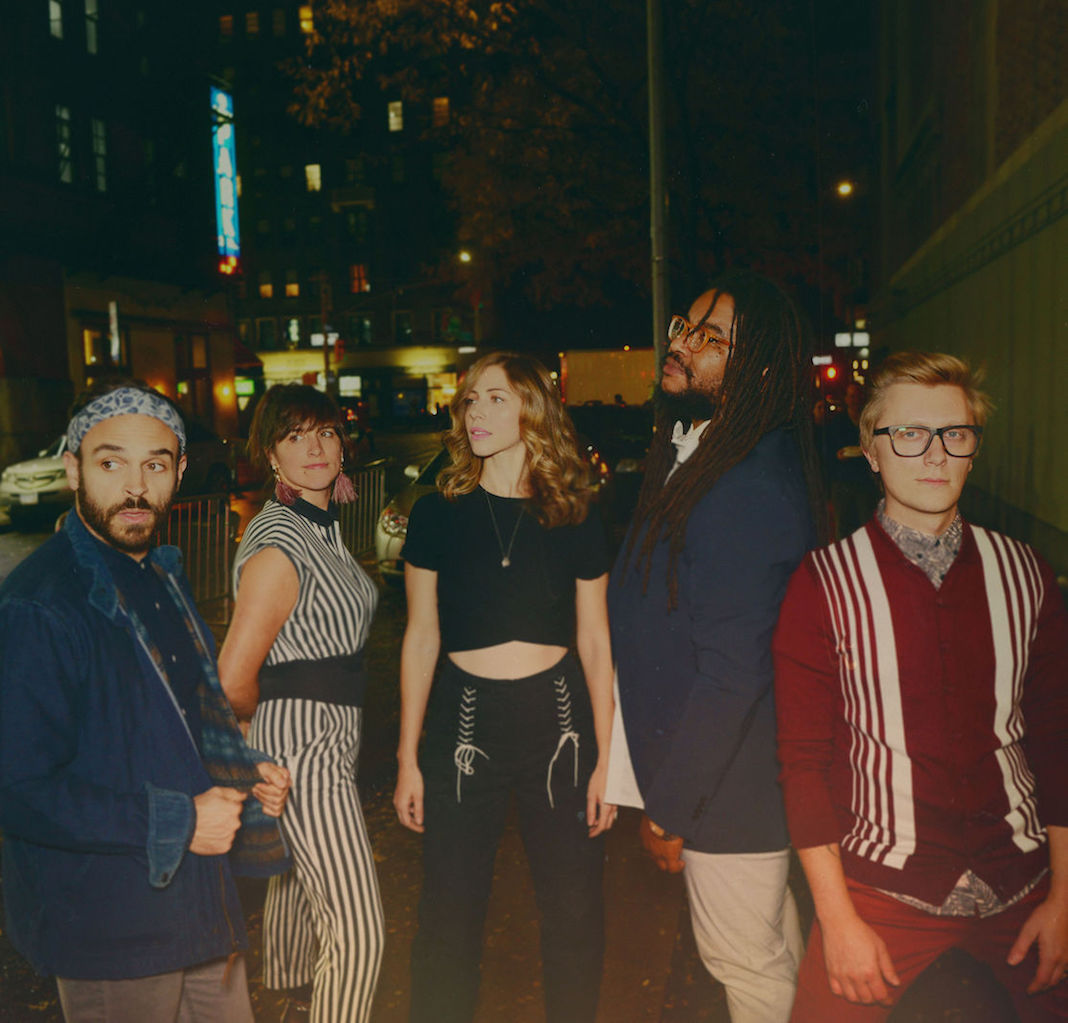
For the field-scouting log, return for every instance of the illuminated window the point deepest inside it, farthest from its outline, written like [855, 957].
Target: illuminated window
[307, 22]
[101, 350]
[91, 24]
[292, 284]
[63, 139]
[226, 26]
[266, 286]
[358, 281]
[441, 111]
[313, 177]
[278, 22]
[55, 18]
[100, 155]
[293, 332]
[361, 330]
[238, 181]
[252, 23]
[396, 115]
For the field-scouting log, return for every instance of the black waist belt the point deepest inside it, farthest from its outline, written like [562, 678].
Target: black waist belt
[340, 680]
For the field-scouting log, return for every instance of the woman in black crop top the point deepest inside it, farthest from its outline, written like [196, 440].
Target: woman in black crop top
[506, 569]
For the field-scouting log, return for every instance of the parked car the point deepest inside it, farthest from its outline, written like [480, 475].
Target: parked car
[392, 526]
[36, 489]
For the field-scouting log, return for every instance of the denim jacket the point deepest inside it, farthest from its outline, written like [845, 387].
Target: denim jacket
[98, 772]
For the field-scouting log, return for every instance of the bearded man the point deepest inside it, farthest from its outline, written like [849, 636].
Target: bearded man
[124, 780]
[725, 514]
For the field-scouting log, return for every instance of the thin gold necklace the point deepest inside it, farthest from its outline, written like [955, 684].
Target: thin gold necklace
[506, 555]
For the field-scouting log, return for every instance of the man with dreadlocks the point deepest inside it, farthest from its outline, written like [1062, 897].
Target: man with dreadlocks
[725, 514]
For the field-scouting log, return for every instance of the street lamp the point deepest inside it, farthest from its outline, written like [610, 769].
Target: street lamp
[845, 188]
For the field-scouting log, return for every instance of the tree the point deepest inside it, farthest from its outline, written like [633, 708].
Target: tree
[547, 149]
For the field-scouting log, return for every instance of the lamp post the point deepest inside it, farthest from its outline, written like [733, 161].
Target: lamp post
[657, 196]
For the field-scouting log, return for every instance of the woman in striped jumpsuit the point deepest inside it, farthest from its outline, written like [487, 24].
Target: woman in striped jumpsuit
[292, 662]
[506, 567]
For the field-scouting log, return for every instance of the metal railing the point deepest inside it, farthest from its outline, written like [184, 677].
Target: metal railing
[358, 519]
[205, 529]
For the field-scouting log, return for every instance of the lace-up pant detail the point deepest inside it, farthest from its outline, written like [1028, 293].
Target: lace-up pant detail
[488, 741]
[466, 750]
[567, 732]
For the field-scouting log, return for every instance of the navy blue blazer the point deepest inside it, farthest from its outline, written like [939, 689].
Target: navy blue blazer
[696, 683]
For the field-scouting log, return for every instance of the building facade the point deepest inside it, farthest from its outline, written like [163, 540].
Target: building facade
[107, 241]
[974, 239]
[350, 275]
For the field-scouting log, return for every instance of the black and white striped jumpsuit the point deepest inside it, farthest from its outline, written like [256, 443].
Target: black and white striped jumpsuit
[323, 919]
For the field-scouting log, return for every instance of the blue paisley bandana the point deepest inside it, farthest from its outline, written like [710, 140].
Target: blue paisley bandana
[125, 401]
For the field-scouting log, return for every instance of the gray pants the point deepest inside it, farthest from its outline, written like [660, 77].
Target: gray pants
[194, 995]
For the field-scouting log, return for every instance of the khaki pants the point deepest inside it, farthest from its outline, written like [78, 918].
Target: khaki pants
[747, 929]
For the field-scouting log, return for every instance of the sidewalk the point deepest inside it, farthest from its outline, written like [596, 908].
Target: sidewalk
[647, 979]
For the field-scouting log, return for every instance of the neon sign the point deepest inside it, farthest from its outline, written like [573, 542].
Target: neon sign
[225, 164]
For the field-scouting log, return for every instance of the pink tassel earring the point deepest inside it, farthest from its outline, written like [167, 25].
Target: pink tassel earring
[344, 491]
[283, 491]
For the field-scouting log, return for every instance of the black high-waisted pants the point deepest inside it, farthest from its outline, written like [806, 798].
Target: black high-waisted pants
[485, 739]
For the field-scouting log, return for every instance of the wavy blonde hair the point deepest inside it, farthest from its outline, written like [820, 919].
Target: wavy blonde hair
[558, 476]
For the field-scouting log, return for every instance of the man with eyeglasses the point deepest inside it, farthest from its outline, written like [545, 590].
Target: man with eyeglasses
[726, 512]
[922, 693]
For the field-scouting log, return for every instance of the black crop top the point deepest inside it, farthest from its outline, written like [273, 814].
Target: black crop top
[481, 603]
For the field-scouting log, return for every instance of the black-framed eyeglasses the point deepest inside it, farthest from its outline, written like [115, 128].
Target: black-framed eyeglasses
[696, 338]
[913, 441]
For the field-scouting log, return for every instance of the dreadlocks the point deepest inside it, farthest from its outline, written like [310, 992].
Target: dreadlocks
[765, 386]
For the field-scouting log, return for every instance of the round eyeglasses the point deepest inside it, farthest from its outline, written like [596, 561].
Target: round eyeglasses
[696, 338]
[913, 441]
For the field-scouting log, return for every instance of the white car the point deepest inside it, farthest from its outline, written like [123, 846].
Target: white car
[392, 525]
[36, 485]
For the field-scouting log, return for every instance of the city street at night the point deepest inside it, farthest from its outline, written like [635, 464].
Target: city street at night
[796, 274]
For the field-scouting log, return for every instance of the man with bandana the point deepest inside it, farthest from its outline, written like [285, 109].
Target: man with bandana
[127, 795]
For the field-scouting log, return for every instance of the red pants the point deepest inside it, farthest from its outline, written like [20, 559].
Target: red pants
[916, 939]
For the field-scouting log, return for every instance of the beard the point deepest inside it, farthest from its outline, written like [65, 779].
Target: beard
[130, 538]
[693, 404]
